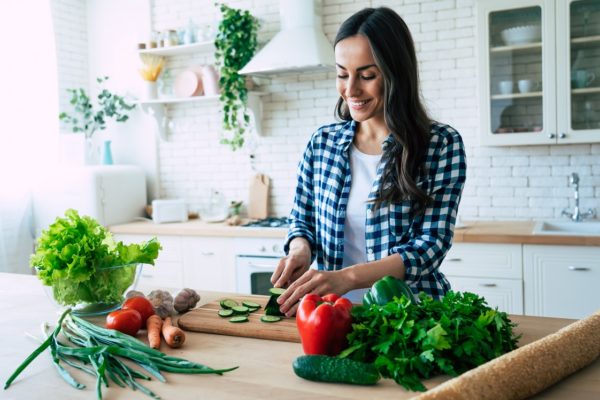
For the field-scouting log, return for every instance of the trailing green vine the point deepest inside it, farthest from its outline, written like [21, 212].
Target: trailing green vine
[235, 45]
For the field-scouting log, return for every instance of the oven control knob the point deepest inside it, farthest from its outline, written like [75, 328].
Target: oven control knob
[263, 249]
[276, 248]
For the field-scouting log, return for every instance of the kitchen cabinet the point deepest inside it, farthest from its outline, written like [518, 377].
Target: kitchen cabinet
[561, 281]
[493, 271]
[167, 270]
[539, 63]
[204, 263]
[209, 263]
[158, 108]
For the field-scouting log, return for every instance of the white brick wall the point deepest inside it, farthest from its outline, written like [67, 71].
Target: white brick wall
[70, 33]
[510, 182]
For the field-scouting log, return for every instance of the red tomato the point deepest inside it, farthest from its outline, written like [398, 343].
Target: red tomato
[126, 321]
[141, 305]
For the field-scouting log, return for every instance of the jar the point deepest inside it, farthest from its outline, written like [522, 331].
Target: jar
[170, 38]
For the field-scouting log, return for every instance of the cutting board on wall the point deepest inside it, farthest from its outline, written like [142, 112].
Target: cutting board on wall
[205, 319]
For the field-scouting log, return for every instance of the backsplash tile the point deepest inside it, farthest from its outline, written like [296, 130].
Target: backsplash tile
[520, 182]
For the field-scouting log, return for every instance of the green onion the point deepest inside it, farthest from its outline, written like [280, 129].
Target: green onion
[104, 349]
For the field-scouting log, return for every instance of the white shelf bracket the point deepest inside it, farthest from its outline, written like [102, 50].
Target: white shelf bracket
[159, 113]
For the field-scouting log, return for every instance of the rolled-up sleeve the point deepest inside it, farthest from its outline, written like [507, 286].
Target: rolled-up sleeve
[302, 216]
[431, 233]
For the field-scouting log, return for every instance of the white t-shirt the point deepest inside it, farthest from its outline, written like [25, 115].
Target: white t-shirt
[363, 168]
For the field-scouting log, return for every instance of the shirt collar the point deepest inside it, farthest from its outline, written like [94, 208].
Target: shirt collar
[348, 132]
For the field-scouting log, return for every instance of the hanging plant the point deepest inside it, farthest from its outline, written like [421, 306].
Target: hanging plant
[235, 45]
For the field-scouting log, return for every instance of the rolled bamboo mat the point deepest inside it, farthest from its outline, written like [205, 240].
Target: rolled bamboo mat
[529, 369]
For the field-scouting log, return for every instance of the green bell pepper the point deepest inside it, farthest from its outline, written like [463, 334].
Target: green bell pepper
[384, 290]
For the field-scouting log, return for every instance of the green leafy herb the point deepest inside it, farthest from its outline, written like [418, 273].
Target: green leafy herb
[409, 342]
[80, 260]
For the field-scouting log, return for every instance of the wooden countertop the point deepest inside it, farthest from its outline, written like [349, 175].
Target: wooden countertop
[265, 366]
[472, 232]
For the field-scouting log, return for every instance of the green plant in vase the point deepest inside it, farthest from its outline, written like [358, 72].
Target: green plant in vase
[235, 45]
[88, 118]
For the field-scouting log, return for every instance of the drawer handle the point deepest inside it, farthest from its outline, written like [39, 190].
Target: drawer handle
[207, 253]
[454, 259]
[573, 268]
[488, 285]
[262, 266]
[147, 276]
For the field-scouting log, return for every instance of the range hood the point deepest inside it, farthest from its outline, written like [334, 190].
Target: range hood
[301, 44]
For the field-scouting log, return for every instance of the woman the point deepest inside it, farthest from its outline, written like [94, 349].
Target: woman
[377, 193]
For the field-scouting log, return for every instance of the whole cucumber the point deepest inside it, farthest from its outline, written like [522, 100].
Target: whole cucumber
[323, 368]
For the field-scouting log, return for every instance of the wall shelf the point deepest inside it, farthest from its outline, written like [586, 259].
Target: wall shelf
[200, 47]
[515, 96]
[157, 108]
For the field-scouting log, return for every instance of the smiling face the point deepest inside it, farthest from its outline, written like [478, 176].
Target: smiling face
[359, 80]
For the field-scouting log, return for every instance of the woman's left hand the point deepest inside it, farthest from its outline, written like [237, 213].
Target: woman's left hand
[312, 281]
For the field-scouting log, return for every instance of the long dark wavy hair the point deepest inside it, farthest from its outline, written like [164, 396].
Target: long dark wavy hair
[405, 116]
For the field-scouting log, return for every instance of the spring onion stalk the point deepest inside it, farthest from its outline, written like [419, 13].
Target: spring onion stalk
[100, 353]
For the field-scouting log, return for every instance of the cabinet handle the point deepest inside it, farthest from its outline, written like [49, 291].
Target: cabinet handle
[573, 268]
[488, 285]
[207, 253]
[551, 136]
[262, 266]
[562, 135]
[456, 259]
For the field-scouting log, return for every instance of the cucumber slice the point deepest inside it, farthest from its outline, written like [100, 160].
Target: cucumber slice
[251, 309]
[225, 313]
[277, 291]
[238, 319]
[240, 309]
[228, 303]
[250, 304]
[270, 318]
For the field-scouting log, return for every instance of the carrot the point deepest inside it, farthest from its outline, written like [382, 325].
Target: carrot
[153, 325]
[173, 335]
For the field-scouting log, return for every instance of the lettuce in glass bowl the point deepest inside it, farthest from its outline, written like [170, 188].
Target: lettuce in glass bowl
[84, 268]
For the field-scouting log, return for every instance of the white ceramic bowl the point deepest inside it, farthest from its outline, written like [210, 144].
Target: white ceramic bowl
[522, 34]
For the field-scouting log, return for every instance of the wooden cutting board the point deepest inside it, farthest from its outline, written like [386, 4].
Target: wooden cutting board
[205, 319]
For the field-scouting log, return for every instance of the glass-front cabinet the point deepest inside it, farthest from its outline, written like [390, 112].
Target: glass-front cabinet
[539, 71]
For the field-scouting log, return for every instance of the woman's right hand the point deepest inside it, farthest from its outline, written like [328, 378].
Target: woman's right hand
[294, 265]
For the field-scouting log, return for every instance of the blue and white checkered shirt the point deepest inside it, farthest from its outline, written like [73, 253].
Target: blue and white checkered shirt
[324, 182]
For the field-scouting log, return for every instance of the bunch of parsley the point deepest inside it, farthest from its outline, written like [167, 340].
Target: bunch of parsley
[410, 342]
[77, 257]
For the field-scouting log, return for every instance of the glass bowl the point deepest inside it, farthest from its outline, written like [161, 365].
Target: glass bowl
[101, 294]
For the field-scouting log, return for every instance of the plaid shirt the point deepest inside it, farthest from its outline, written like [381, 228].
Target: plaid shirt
[321, 197]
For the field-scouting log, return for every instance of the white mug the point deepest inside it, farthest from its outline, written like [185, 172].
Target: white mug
[527, 85]
[505, 87]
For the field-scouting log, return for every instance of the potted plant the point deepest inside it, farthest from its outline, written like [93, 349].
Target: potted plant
[87, 118]
[235, 45]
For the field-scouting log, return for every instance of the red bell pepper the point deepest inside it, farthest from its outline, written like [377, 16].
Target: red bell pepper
[323, 323]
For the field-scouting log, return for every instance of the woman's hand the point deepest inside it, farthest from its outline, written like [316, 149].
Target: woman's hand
[292, 266]
[312, 281]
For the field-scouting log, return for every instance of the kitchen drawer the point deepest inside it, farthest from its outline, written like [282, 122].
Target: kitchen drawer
[163, 275]
[481, 260]
[561, 281]
[506, 294]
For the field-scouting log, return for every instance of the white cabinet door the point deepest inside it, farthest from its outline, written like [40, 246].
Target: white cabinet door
[483, 260]
[561, 281]
[493, 271]
[506, 294]
[167, 272]
[209, 263]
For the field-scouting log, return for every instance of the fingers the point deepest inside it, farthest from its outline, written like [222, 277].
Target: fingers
[278, 271]
[292, 268]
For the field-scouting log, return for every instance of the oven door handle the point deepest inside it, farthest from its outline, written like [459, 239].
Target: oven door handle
[262, 266]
